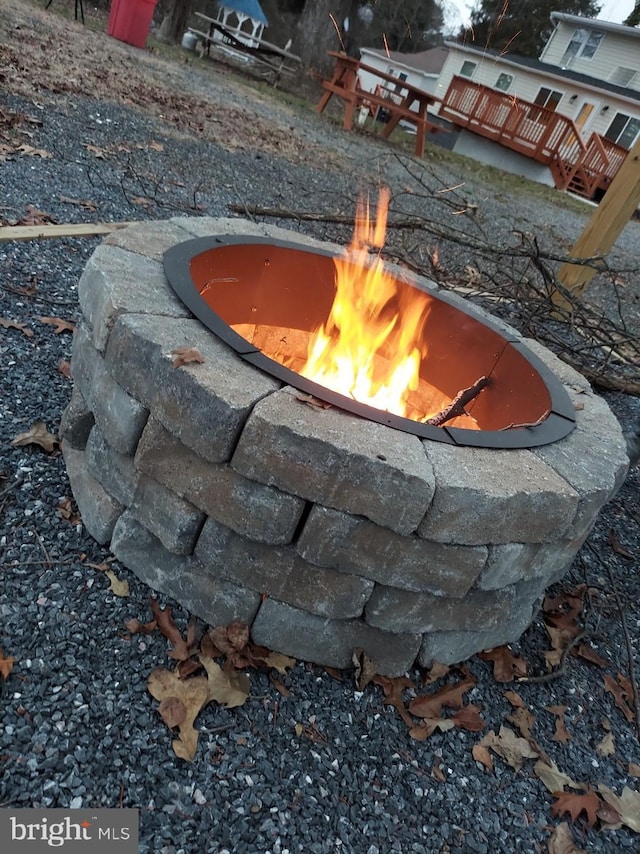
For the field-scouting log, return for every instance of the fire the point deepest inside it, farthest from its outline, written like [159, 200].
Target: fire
[371, 345]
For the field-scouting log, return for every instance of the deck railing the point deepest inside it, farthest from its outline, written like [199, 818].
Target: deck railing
[534, 131]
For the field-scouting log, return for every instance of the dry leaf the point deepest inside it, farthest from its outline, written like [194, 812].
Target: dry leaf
[364, 668]
[561, 841]
[617, 548]
[634, 769]
[561, 734]
[60, 324]
[279, 662]
[65, 510]
[313, 402]
[585, 651]
[6, 665]
[98, 153]
[506, 665]
[620, 694]
[30, 151]
[192, 693]
[469, 719]
[65, 368]
[173, 711]
[230, 690]
[13, 324]
[393, 689]
[509, 746]
[627, 805]
[116, 585]
[427, 727]
[169, 629]
[186, 355]
[155, 146]
[514, 698]
[607, 746]
[523, 720]
[436, 671]
[135, 627]
[481, 754]
[449, 696]
[37, 434]
[553, 779]
[575, 805]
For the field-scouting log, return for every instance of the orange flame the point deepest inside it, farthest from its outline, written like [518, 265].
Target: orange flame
[371, 345]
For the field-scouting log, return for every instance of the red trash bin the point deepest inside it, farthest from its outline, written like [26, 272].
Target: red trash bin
[130, 21]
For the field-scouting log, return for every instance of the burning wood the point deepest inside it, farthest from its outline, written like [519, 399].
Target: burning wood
[457, 405]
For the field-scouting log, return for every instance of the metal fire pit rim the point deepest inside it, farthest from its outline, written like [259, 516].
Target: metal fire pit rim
[559, 423]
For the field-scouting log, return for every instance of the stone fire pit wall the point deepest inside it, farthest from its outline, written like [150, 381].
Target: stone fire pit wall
[322, 530]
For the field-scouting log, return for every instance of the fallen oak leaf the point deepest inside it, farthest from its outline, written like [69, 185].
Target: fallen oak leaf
[506, 665]
[393, 689]
[481, 754]
[228, 689]
[37, 434]
[450, 696]
[588, 803]
[279, 662]
[426, 728]
[553, 779]
[617, 547]
[607, 746]
[64, 367]
[172, 711]
[116, 585]
[192, 693]
[186, 356]
[627, 805]
[561, 734]
[588, 653]
[436, 671]
[364, 668]
[469, 718]
[6, 664]
[165, 622]
[87, 204]
[313, 402]
[510, 747]
[30, 151]
[135, 627]
[59, 324]
[561, 841]
[620, 695]
[523, 720]
[14, 324]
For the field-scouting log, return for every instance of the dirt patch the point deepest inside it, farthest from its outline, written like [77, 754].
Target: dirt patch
[43, 53]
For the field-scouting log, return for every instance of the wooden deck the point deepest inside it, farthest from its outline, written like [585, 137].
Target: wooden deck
[586, 168]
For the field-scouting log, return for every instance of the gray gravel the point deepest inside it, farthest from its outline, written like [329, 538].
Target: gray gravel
[78, 727]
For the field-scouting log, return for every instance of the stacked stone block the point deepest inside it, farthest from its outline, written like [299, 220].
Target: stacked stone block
[322, 530]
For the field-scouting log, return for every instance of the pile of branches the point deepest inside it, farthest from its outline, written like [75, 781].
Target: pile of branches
[514, 279]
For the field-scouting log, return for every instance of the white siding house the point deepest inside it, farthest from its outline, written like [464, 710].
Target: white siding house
[589, 71]
[418, 69]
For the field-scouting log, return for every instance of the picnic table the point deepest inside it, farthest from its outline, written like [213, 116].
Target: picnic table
[260, 50]
[404, 102]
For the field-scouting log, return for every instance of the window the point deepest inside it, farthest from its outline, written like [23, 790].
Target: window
[584, 44]
[468, 68]
[622, 76]
[549, 98]
[503, 82]
[623, 130]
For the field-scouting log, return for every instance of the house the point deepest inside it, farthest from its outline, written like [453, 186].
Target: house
[566, 119]
[245, 18]
[418, 69]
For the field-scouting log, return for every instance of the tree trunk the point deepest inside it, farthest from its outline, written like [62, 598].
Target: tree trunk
[174, 22]
[316, 32]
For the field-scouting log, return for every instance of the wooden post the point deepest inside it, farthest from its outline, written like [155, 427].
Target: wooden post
[604, 227]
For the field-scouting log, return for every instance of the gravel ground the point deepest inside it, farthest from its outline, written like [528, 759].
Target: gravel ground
[78, 727]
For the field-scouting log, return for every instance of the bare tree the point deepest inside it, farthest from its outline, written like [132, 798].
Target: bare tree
[325, 25]
[174, 22]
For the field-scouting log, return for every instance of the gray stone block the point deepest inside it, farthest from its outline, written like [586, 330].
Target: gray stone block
[453, 647]
[353, 544]
[149, 238]
[204, 405]
[331, 642]
[280, 573]
[336, 459]
[116, 281]
[77, 421]
[115, 471]
[477, 501]
[595, 477]
[174, 521]
[120, 417]
[99, 510]
[510, 563]
[213, 600]
[396, 610]
[252, 509]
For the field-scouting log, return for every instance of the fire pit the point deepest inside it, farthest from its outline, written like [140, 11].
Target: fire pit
[325, 529]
